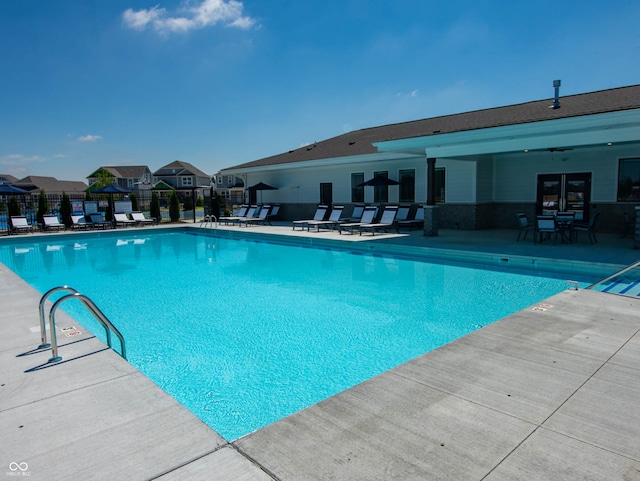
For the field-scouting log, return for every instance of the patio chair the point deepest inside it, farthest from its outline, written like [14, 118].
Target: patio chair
[368, 215]
[525, 226]
[321, 211]
[545, 226]
[564, 224]
[79, 222]
[402, 215]
[98, 222]
[139, 218]
[386, 221]
[587, 227]
[260, 217]
[19, 224]
[51, 222]
[417, 221]
[331, 222]
[120, 218]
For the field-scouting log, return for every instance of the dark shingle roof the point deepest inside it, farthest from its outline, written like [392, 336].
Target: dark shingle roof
[360, 142]
[179, 167]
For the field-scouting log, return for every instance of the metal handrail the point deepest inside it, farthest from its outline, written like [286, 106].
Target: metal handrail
[209, 219]
[613, 276]
[43, 328]
[97, 313]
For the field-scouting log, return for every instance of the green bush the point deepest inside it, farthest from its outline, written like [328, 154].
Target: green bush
[66, 210]
[134, 202]
[43, 207]
[154, 208]
[14, 206]
[174, 207]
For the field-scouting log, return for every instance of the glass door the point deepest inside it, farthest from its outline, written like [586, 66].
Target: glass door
[564, 193]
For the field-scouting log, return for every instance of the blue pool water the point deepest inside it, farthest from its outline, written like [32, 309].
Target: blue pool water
[244, 333]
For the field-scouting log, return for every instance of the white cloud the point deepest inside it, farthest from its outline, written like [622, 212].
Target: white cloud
[89, 138]
[19, 159]
[205, 14]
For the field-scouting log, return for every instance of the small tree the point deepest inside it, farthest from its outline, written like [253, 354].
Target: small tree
[155, 207]
[43, 207]
[134, 202]
[66, 210]
[14, 206]
[174, 207]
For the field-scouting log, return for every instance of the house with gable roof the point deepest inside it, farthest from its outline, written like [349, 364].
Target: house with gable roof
[477, 169]
[182, 176]
[131, 177]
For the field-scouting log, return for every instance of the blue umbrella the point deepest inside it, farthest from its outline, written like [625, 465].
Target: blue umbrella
[8, 189]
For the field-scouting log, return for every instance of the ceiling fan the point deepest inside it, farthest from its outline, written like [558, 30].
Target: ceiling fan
[559, 149]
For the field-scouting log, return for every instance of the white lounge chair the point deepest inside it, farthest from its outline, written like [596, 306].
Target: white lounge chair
[386, 221]
[417, 221]
[51, 222]
[79, 222]
[242, 212]
[19, 223]
[139, 218]
[120, 218]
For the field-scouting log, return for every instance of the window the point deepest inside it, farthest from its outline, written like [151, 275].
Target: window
[629, 180]
[381, 192]
[219, 179]
[357, 193]
[187, 181]
[407, 185]
[440, 184]
[230, 179]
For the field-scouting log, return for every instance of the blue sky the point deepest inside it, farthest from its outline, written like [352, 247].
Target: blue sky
[216, 83]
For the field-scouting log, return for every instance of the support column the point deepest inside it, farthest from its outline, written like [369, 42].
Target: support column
[431, 211]
[636, 243]
[431, 181]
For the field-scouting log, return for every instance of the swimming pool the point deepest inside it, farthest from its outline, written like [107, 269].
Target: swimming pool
[245, 332]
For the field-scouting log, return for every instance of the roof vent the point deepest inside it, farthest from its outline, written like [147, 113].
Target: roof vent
[556, 98]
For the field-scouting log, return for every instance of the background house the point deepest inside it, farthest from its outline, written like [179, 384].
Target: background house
[132, 177]
[230, 188]
[480, 167]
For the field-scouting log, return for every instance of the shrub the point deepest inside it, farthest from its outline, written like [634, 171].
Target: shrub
[43, 207]
[66, 210]
[14, 206]
[154, 208]
[174, 207]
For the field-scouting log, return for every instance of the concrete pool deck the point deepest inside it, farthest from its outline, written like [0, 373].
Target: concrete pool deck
[550, 392]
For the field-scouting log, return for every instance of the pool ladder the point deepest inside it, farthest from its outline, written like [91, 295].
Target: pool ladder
[91, 307]
[209, 221]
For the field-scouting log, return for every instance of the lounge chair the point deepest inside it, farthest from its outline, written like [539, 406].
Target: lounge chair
[139, 218]
[252, 213]
[525, 226]
[98, 222]
[587, 227]
[260, 217]
[368, 215]
[120, 218]
[386, 221]
[51, 222]
[356, 215]
[319, 215]
[417, 221]
[242, 212]
[19, 223]
[79, 222]
[331, 223]
[273, 213]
